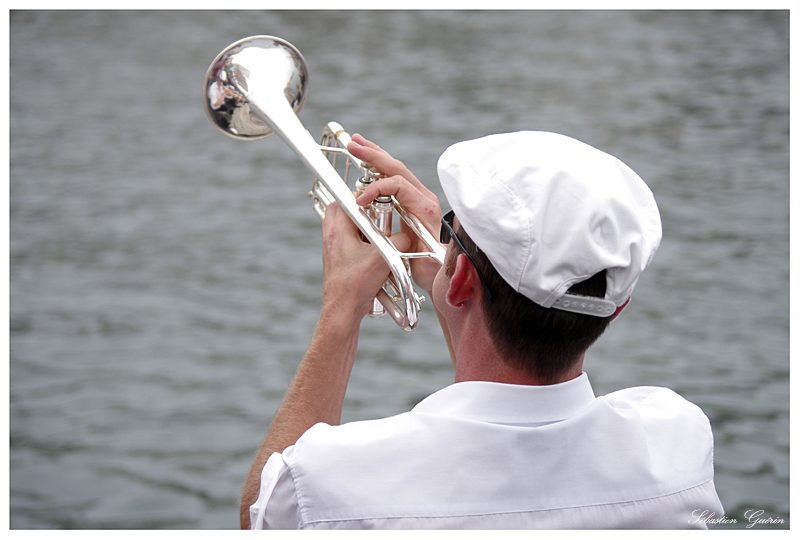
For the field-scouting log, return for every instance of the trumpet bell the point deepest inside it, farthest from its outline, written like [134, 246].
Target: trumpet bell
[262, 64]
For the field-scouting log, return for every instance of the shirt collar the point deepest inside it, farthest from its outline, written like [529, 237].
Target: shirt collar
[511, 403]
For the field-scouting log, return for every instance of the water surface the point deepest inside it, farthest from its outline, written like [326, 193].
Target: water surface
[165, 279]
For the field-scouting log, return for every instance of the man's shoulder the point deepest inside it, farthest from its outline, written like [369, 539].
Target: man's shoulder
[664, 418]
[361, 432]
[654, 399]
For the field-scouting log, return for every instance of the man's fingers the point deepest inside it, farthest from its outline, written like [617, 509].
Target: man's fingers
[401, 241]
[334, 214]
[330, 216]
[359, 139]
[380, 159]
[426, 209]
[371, 153]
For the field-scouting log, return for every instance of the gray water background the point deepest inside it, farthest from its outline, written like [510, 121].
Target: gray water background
[165, 279]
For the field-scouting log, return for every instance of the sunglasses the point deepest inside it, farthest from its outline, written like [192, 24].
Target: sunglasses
[446, 233]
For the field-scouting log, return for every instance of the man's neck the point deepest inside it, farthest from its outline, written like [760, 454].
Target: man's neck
[478, 359]
[496, 370]
[475, 356]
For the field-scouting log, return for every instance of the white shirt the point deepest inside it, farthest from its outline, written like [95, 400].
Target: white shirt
[500, 456]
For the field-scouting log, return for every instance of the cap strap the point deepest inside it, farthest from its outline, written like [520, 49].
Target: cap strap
[586, 305]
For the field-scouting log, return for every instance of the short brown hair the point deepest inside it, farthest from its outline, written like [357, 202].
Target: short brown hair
[544, 342]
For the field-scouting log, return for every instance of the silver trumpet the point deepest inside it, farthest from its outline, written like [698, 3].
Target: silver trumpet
[255, 88]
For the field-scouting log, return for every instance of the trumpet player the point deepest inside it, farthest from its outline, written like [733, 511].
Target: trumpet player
[545, 242]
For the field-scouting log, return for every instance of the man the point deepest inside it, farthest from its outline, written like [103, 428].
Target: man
[546, 241]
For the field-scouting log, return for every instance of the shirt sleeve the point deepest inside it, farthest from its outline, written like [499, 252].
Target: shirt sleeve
[276, 506]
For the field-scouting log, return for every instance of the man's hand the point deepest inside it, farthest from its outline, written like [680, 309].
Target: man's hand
[353, 269]
[410, 193]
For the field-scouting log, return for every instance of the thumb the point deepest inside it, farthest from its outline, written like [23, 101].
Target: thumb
[401, 241]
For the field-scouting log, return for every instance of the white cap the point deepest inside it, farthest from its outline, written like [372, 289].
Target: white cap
[550, 211]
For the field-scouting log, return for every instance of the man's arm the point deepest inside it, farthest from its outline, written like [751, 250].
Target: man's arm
[353, 271]
[316, 394]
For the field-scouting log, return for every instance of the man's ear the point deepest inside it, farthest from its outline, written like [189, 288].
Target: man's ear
[462, 283]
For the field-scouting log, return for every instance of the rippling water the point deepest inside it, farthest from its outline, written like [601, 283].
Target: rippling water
[165, 279]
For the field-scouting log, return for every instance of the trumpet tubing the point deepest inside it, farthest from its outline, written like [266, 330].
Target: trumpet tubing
[256, 87]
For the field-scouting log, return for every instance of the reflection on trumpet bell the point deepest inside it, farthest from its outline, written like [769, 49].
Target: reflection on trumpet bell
[256, 87]
[230, 81]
